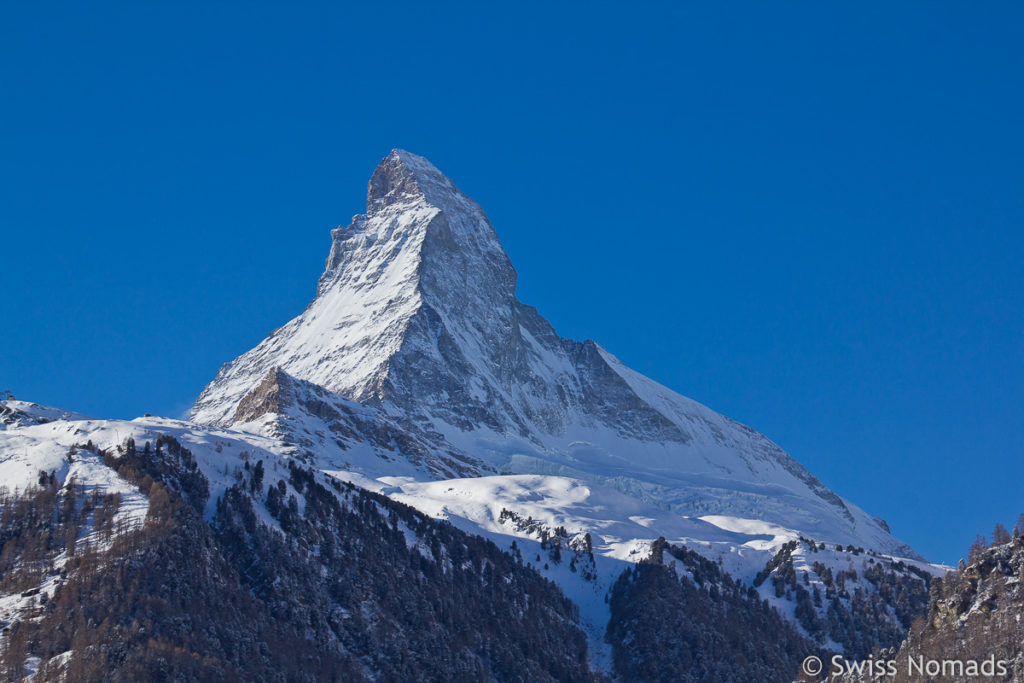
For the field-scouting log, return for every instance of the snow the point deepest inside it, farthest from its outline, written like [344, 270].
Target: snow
[621, 527]
[342, 339]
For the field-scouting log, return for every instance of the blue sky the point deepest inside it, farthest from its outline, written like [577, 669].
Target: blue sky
[806, 215]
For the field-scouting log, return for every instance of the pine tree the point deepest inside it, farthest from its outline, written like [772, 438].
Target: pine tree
[978, 548]
[257, 477]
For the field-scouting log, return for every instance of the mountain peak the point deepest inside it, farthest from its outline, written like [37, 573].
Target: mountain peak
[422, 272]
[401, 175]
[416, 318]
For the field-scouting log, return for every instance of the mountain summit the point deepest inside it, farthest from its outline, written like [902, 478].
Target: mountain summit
[417, 359]
[422, 265]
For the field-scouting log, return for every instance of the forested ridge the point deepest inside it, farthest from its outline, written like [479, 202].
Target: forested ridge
[350, 586]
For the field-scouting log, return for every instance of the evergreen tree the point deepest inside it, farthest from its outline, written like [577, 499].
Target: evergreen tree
[257, 477]
[978, 548]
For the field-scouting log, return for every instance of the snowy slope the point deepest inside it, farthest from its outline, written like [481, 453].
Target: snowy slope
[622, 529]
[55, 445]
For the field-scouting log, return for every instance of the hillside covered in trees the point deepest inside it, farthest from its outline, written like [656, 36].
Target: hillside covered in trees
[677, 617]
[334, 584]
[973, 630]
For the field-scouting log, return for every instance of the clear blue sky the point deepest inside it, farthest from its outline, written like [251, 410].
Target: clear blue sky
[808, 216]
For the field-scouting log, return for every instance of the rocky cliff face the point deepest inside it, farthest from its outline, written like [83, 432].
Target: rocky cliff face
[416, 326]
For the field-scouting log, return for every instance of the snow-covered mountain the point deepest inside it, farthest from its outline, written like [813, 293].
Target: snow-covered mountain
[417, 359]
[416, 373]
